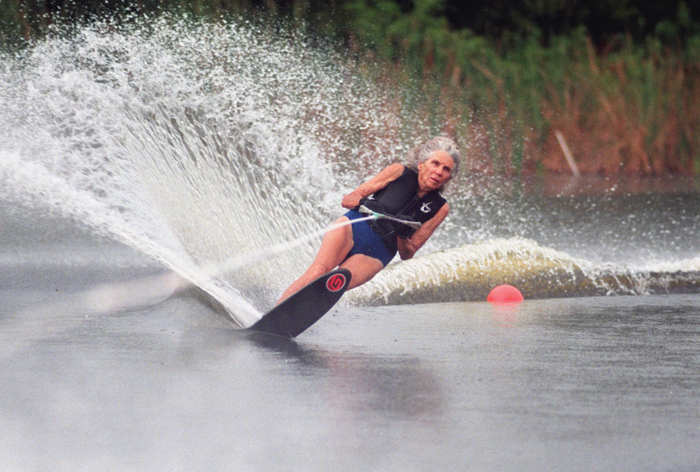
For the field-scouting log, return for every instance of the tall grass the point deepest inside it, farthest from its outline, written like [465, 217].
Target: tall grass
[630, 108]
[633, 109]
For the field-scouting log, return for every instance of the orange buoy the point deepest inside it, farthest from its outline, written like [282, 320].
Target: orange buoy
[505, 295]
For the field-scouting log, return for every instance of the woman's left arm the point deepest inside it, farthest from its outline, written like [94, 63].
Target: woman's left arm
[408, 247]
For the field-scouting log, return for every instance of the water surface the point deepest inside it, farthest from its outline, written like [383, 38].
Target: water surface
[577, 384]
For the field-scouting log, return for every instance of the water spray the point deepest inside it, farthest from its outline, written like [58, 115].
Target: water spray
[234, 263]
[214, 269]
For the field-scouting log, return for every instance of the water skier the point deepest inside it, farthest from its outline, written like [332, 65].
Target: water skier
[410, 192]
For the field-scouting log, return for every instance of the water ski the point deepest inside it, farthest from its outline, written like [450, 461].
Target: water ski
[294, 315]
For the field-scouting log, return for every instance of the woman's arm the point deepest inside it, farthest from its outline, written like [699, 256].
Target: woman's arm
[408, 247]
[374, 184]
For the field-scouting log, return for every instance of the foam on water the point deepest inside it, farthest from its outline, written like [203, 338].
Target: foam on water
[469, 272]
[691, 264]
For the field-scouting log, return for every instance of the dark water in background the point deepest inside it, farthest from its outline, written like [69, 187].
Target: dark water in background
[134, 159]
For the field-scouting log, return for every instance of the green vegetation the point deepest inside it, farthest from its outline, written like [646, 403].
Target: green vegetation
[619, 79]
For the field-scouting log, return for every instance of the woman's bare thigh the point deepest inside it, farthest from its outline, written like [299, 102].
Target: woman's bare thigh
[362, 268]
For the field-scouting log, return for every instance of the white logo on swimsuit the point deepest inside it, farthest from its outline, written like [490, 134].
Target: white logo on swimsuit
[425, 208]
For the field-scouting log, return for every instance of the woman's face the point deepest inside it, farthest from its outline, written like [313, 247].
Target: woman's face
[435, 171]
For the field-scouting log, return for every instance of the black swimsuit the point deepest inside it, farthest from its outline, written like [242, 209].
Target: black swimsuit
[399, 197]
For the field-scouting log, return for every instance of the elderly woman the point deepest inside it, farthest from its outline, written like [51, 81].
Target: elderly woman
[409, 192]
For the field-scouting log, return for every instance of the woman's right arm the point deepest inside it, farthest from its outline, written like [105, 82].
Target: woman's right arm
[373, 185]
[408, 247]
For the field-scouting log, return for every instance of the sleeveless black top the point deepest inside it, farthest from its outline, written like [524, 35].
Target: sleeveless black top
[400, 197]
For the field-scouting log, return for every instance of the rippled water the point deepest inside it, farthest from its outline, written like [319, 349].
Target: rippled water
[578, 384]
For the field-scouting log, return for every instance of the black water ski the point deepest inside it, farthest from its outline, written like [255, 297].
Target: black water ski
[294, 315]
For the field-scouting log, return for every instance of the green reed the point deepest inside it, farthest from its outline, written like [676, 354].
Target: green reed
[628, 108]
[632, 109]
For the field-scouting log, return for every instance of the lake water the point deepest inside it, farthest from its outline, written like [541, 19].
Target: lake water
[597, 383]
[141, 160]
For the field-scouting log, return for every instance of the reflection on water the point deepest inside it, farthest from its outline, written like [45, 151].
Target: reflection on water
[401, 387]
[506, 316]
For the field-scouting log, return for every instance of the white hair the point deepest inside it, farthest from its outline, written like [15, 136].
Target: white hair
[422, 153]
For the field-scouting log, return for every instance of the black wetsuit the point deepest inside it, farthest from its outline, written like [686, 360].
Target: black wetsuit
[400, 198]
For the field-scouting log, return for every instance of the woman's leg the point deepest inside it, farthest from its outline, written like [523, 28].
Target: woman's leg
[335, 247]
[362, 268]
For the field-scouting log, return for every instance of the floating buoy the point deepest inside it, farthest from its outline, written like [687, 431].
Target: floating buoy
[505, 295]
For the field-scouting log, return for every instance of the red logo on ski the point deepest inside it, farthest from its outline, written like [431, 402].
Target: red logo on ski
[335, 283]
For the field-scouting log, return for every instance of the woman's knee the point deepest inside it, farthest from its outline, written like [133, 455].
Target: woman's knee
[318, 268]
[363, 269]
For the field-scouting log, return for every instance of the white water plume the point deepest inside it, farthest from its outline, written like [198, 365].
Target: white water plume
[469, 272]
[194, 142]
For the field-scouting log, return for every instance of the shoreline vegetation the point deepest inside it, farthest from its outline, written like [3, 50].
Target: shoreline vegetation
[522, 101]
